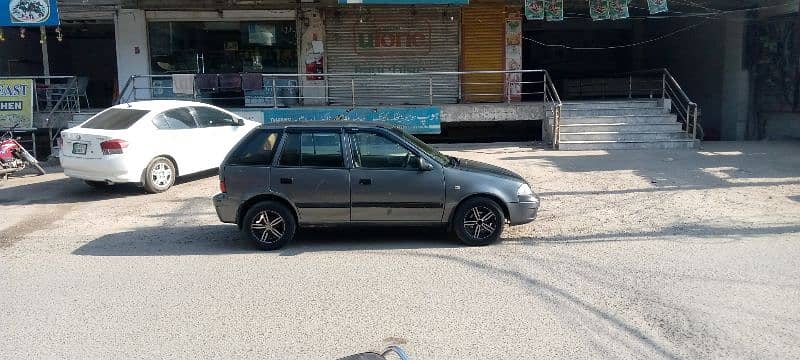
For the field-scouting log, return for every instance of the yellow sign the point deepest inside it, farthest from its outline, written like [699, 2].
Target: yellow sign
[16, 103]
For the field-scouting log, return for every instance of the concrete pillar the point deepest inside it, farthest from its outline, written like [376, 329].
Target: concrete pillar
[312, 57]
[133, 54]
[735, 82]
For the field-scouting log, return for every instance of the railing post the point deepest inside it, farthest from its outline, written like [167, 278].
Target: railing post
[460, 84]
[663, 86]
[544, 90]
[327, 91]
[694, 122]
[353, 90]
[430, 90]
[630, 86]
[274, 93]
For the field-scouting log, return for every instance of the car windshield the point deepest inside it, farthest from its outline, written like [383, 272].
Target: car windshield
[427, 149]
[115, 119]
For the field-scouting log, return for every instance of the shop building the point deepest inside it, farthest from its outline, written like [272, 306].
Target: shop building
[320, 58]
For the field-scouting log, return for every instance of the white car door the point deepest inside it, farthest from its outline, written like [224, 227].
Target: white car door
[179, 136]
[222, 130]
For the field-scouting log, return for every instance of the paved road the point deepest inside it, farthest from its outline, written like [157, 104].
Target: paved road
[637, 254]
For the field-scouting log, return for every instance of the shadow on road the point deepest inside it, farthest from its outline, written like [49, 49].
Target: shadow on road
[224, 239]
[672, 233]
[68, 191]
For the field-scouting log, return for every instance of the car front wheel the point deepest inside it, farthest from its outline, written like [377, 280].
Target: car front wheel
[270, 225]
[478, 222]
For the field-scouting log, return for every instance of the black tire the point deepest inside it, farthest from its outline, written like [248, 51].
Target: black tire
[159, 175]
[97, 184]
[273, 236]
[474, 219]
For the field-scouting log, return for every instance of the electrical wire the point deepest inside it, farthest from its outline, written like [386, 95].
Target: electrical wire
[708, 17]
[562, 46]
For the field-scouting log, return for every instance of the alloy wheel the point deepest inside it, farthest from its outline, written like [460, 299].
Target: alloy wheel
[161, 175]
[480, 222]
[268, 226]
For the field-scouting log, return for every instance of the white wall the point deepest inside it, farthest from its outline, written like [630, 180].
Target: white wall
[735, 82]
[132, 49]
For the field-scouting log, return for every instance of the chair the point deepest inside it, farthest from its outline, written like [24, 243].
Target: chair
[82, 84]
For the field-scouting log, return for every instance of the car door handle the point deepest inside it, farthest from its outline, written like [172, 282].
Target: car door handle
[287, 180]
[365, 181]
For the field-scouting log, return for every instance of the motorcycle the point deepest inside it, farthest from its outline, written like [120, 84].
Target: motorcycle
[14, 157]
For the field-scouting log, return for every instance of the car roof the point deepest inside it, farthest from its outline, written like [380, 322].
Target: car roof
[158, 105]
[329, 124]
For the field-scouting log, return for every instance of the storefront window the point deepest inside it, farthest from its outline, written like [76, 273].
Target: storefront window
[223, 47]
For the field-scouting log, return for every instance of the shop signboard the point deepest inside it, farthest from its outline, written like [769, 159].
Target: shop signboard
[405, 2]
[415, 120]
[29, 13]
[16, 103]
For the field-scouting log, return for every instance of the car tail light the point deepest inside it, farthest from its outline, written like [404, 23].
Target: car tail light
[222, 187]
[114, 146]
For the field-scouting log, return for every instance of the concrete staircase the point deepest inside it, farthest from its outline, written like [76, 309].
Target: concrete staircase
[624, 124]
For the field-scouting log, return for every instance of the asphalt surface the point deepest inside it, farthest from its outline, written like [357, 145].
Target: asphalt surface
[636, 254]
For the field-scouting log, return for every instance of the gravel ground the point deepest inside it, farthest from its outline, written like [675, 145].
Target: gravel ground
[636, 254]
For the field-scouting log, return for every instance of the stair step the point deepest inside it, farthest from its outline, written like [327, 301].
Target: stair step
[612, 112]
[621, 128]
[626, 145]
[623, 136]
[625, 119]
[625, 104]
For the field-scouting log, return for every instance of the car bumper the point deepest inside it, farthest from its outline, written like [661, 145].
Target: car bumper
[225, 207]
[522, 212]
[115, 170]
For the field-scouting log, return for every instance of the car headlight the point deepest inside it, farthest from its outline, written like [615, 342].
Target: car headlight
[525, 194]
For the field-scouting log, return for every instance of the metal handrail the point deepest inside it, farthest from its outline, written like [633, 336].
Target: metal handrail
[555, 99]
[72, 84]
[430, 80]
[686, 109]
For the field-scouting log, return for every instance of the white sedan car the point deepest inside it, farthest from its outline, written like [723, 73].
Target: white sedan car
[150, 143]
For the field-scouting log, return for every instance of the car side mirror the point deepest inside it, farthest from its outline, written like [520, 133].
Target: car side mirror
[424, 165]
[239, 121]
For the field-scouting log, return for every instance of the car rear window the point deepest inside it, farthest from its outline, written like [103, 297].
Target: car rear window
[115, 119]
[256, 149]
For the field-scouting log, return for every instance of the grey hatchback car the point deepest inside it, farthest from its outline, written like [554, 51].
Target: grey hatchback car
[282, 176]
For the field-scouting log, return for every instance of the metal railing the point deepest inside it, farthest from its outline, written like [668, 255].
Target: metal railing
[553, 100]
[358, 89]
[652, 84]
[354, 89]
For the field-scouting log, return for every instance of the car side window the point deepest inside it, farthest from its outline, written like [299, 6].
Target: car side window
[314, 149]
[175, 119]
[375, 151]
[208, 117]
[256, 149]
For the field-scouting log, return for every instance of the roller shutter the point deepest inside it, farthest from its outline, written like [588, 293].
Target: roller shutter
[483, 48]
[392, 40]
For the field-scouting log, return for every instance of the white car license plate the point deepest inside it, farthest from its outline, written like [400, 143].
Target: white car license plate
[79, 148]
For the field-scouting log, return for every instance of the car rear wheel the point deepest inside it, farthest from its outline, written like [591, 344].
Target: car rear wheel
[478, 222]
[159, 175]
[270, 225]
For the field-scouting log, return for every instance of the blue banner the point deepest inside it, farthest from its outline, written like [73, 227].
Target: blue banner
[404, 2]
[29, 13]
[415, 120]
